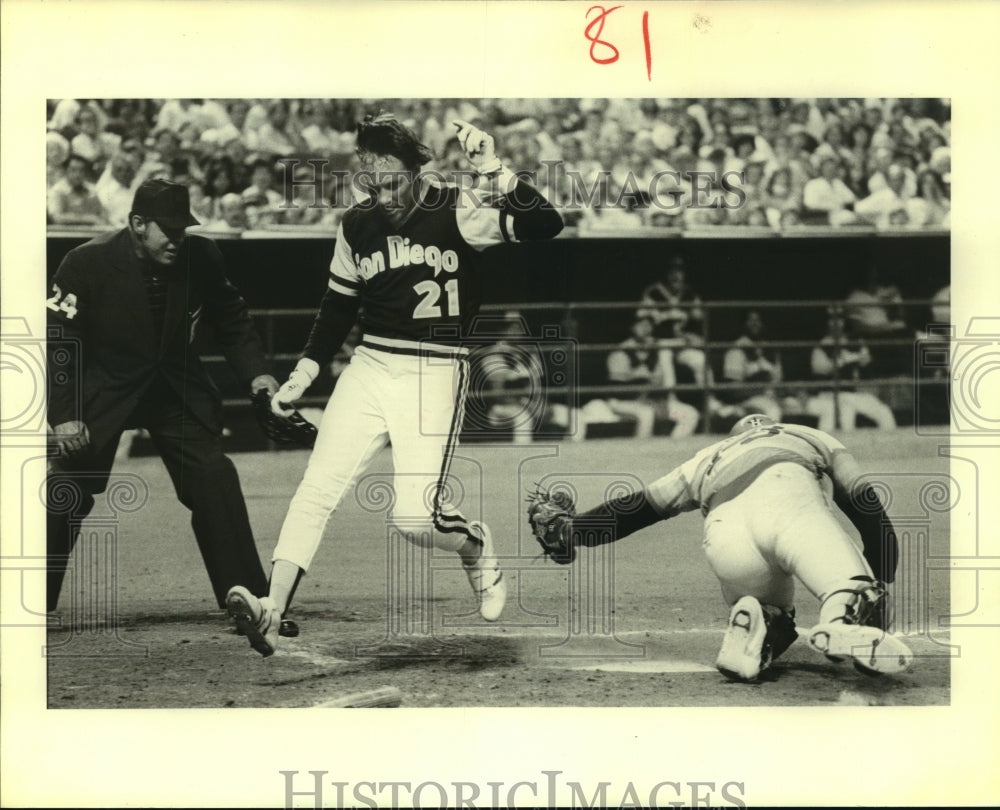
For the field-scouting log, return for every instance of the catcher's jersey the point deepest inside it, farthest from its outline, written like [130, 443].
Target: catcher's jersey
[723, 470]
[418, 280]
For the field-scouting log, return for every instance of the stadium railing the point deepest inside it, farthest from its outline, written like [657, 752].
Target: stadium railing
[901, 389]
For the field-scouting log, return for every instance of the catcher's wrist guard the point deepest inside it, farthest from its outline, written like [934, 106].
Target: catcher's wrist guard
[550, 516]
[291, 429]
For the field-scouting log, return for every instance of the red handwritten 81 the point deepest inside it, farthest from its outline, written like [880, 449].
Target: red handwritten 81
[605, 53]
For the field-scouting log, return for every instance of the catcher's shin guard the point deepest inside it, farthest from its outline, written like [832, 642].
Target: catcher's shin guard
[860, 600]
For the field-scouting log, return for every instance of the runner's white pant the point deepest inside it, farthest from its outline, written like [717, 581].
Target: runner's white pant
[414, 402]
[781, 526]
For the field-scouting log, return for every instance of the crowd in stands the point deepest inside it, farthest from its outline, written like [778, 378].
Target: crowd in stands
[614, 166]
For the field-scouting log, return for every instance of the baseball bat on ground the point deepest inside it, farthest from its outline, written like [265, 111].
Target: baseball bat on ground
[385, 697]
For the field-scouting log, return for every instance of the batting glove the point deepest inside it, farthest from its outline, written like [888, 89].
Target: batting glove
[293, 389]
[478, 147]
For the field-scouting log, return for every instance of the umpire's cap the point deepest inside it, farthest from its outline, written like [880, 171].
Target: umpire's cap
[751, 421]
[165, 202]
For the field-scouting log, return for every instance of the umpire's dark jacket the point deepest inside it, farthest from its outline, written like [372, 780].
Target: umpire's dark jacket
[99, 297]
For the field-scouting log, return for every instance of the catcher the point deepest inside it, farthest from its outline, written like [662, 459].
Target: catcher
[764, 493]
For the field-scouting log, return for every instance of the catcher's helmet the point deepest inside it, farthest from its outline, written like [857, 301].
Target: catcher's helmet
[751, 421]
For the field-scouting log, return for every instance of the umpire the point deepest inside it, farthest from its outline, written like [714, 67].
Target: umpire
[131, 301]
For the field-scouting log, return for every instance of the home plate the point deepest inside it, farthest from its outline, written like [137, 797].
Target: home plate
[640, 666]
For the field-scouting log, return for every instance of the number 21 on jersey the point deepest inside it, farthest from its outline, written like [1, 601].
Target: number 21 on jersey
[430, 292]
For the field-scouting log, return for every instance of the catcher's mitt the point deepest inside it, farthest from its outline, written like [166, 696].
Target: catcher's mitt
[291, 429]
[550, 515]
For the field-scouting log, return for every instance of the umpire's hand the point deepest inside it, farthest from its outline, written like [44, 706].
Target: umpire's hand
[71, 438]
[265, 382]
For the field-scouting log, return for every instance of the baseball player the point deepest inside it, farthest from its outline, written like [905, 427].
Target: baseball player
[407, 258]
[765, 493]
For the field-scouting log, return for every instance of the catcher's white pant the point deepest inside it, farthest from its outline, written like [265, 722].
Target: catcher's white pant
[782, 526]
[414, 402]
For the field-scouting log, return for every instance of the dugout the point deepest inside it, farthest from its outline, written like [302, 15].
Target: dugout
[590, 287]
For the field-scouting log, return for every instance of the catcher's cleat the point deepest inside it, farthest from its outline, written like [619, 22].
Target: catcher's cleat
[757, 634]
[781, 632]
[486, 578]
[258, 619]
[874, 652]
[288, 628]
[741, 657]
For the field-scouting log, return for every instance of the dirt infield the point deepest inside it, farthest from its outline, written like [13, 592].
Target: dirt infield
[636, 627]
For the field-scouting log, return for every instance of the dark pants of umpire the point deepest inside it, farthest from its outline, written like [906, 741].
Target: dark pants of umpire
[205, 481]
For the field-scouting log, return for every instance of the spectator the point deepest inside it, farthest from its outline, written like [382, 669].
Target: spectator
[201, 203]
[72, 200]
[232, 215]
[220, 180]
[91, 143]
[175, 113]
[280, 135]
[886, 162]
[643, 362]
[64, 117]
[307, 204]
[860, 144]
[607, 216]
[779, 197]
[833, 146]
[753, 183]
[756, 217]
[166, 149]
[839, 360]
[116, 187]
[320, 139]
[229, 129]
[877, 208]
[757, 369]
[260, 197]
[57, 149]
[827, 197]
[931, 208]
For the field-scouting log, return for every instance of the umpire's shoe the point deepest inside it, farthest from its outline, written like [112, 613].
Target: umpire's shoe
[258, 619]
[486, 578]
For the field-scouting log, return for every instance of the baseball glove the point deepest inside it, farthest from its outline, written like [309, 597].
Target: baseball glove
[550, 515]
[291, 429]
